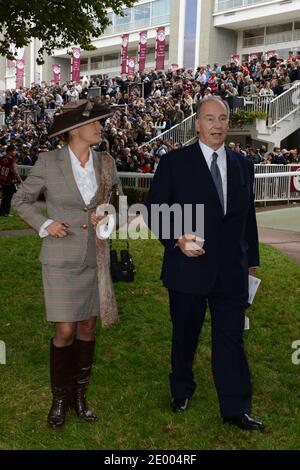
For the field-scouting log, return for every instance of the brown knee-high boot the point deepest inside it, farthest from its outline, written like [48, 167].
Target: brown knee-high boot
[83, 361]
[60, 373]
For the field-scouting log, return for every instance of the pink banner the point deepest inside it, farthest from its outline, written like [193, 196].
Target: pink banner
[20, 73]
[12, 49]
[269, 54]
[142, 51]
[131, 65]
[124, 52]
[76, 64]
[253, 55]
[160, 48]
[235, 58]
[295, 180]
[56, 73]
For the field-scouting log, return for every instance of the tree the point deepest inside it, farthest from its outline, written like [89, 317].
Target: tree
[57, 23]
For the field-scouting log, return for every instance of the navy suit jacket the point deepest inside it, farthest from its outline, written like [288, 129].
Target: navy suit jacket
[231, 241]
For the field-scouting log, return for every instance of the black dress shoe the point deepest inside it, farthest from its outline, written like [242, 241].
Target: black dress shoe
[178, 406]
[244, 421]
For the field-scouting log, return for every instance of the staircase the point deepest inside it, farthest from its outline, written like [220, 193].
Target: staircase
[181, 133]
[283, 119]
[283, 116]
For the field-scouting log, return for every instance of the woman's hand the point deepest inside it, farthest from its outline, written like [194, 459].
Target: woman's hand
[95, 219]
[58, 229]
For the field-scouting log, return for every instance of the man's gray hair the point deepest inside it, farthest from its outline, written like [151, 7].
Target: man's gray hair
[214, 99]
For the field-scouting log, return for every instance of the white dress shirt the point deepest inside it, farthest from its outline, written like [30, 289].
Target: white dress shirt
[222, 164]
[85, 179]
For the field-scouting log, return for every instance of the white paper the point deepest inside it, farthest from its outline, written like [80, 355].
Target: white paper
[247, 323]
[253, 286]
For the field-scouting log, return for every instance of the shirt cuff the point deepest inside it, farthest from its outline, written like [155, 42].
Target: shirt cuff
[43, 232]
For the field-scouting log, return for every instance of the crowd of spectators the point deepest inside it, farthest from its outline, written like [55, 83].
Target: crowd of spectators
[262, 156]
[168, 98]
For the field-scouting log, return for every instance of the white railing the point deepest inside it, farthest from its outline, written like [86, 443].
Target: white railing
[258, 103]
[255, 41]
[180, 133]
[135, 25]
[277, 108]
[272, 182]
[284, 105]
[283, 36]
[224, 5]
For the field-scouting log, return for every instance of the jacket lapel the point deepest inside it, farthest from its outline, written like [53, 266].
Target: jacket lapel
[97, 167]
[233, 179]
[66, 169]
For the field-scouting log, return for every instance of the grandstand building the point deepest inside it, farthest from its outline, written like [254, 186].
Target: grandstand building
[196, 32]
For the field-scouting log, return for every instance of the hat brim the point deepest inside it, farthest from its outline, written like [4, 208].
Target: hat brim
[75, 126]
[78, 114]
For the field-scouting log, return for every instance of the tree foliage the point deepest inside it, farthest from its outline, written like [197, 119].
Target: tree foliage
[57, 23]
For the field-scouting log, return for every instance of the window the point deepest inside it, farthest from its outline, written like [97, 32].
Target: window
[96, 59]
[109, 57]
[279, 33]
[142, 12]
[253, 37]
[160, 11]
[123, 20]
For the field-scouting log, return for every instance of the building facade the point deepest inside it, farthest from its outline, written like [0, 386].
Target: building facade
[197, 32]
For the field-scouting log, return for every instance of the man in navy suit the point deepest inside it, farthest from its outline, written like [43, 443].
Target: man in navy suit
[215, 272]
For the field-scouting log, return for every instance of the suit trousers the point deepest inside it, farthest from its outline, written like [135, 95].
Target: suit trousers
[229, 362]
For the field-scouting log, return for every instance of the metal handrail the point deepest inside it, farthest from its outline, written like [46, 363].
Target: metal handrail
[178, 133]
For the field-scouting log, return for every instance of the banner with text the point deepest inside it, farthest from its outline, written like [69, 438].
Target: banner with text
[76, 64]
[269, 54]
[253, 56]
[295, 180]
[142, 51]
[235, 58]
[20, 68]
[131, 65]
[124, 52]
[56, 73]
[160, 48]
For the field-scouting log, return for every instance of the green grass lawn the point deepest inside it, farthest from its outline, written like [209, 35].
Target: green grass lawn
[15, 222]
[129, 388]
[12, 223]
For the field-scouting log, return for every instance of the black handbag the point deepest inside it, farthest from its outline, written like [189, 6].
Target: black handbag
[122, 269]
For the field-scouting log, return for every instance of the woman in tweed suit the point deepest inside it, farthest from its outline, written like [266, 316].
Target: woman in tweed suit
[69, 178]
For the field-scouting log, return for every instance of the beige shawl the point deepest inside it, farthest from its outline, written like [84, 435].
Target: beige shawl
[108, 304]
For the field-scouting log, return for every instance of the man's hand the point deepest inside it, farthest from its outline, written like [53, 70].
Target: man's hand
[58, 229]
[252, 271]
[190, 245]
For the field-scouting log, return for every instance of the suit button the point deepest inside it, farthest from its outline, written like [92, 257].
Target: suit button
[85, 209]
[84, 226]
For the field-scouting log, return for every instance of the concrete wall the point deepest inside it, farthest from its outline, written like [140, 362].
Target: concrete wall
[65, 67]
[216, 44]
[176, 37]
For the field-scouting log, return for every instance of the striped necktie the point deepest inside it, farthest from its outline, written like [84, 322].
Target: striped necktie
[216, 175]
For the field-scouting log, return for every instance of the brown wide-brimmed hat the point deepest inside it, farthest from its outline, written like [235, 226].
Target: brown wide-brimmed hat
[76, 114]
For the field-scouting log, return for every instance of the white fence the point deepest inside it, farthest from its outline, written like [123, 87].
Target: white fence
[271, 182]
